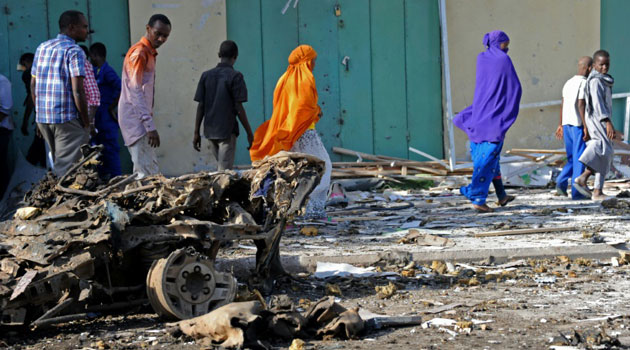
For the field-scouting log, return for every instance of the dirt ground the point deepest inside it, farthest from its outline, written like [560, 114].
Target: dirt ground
[528, 304]
[522, 308]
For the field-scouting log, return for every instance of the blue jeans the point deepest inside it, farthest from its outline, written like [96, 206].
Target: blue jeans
[486, 169]
[574, 145]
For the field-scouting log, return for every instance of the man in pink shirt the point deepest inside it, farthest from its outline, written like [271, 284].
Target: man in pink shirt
[92, 93]
[135, 108]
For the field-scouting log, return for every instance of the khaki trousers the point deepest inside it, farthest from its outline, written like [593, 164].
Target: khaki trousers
[64, 141]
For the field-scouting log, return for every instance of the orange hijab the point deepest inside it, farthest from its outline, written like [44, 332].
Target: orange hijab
[294, 106]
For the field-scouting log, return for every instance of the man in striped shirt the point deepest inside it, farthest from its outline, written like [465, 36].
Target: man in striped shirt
[58, 93]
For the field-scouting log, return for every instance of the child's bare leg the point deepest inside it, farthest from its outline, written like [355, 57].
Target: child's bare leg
[582, 179]
[598, 189]
[580, 182]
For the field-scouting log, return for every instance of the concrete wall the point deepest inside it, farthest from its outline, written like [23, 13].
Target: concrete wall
[198, 28]
[546, 39]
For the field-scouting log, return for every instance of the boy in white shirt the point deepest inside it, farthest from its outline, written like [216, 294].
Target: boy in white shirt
[572, 129]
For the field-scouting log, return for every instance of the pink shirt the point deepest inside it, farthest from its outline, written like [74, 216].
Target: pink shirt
[92, 93]
[135, 107]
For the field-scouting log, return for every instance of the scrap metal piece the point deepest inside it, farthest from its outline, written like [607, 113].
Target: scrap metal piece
[13, 317]
[227, 326]
[25, 280]
[186, 285]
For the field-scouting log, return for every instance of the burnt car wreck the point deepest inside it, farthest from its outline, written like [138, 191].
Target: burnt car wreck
[81, 246]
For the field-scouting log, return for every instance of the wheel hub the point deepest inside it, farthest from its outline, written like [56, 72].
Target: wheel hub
[186, 285]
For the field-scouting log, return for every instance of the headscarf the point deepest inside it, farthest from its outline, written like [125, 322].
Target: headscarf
[494, 39]
[497, 94]
[294, 106]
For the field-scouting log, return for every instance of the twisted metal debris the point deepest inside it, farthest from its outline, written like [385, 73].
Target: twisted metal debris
[81, 245]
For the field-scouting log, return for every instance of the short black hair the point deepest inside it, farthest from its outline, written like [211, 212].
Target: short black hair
[69, 17]
[85, 49]
[600, 53]
[159, 17]
[228, 49]
[27, 57]
[99, 50]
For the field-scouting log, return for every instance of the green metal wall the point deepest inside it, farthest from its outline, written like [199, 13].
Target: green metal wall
[615, 39]
[24, 24]
[389, 97]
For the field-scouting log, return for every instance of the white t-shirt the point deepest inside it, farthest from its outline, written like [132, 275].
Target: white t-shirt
[573, 91]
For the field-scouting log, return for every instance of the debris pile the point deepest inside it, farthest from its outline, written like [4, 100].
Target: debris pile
[250, 323]
[82, 245]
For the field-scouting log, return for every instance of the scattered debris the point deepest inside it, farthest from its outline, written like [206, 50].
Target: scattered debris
[88, 233]
[525, 231]
[420, 238]
[387, 291]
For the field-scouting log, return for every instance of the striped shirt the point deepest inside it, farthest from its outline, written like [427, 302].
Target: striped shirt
[56, 62]
[92, 94]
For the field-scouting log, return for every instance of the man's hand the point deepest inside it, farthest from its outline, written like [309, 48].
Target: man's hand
[250, 139]
[559, 132]
[586, 135]
[154, 139]
[610, 130]
[197, 142]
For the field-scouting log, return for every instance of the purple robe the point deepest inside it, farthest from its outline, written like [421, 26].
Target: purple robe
[497, 94]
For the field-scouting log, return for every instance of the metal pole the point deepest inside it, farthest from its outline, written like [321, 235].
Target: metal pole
[626, 123]
[447, 88]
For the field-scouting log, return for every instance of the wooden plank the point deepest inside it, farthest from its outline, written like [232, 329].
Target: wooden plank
[539, 151]
[355, 82]
[525, 231]
[363, 155]
[520, 154]
[317, 26]
[424, 76]
[250, 63]
[389, 96]
[426, 155]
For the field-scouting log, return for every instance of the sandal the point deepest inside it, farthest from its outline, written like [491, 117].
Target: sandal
[482, 208]
[507, 199]
[583, 190]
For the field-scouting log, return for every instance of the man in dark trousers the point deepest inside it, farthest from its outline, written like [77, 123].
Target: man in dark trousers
[106, 119]
[221, 93]
[37, 151]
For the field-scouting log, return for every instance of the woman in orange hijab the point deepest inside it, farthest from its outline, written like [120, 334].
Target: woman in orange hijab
[292, 124]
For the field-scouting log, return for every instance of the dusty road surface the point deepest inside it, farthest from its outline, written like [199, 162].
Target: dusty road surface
[528, 305]
[563, 290]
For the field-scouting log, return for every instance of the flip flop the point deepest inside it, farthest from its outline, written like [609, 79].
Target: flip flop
[508, 198]
[583, 190]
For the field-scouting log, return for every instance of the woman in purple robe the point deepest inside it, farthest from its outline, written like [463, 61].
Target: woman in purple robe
[493, 111]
